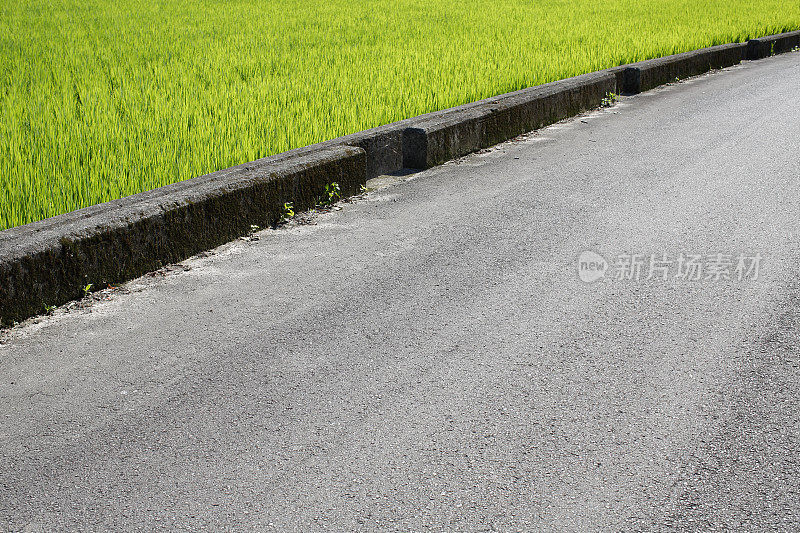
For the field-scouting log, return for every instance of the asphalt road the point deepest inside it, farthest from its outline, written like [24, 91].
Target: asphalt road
[427, 357]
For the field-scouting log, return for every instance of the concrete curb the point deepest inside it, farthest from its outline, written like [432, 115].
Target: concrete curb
[771, 45]
[50, 261]
[649, 74]
[436, 139]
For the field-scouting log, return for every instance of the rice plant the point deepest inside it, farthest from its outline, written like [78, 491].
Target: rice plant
[102, 99]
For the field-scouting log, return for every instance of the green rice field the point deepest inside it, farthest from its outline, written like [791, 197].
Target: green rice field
[101, 99]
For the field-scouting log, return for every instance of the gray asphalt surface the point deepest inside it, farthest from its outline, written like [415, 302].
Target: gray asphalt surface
[427, 358]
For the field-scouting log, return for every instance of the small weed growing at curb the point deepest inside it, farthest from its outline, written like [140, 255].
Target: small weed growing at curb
[287, 213]
[331, 195]
[610, 100]
[87, 289]
[48, 309]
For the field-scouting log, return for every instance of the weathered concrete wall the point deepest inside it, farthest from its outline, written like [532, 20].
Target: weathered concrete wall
[433, 140]
[649, 74]
[773, 44]
[49, 262]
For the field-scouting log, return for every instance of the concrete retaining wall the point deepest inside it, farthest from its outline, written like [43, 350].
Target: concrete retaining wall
[774, 44]
[433, 140]
[649, 74]
[49, 262]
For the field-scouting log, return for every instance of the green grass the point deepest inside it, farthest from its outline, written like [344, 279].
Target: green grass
[100, 99]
